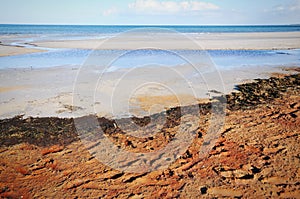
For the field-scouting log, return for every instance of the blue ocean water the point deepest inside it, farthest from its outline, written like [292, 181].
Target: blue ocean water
[101, 29]
[224, 59]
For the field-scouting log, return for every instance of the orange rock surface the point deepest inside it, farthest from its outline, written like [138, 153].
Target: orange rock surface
[256, 156]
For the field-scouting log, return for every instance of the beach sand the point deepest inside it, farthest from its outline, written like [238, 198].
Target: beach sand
[275, 40]
[50, 91]
[267, 40]
[15, 50]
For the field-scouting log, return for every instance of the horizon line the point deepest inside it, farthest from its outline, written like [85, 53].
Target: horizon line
[45, 24]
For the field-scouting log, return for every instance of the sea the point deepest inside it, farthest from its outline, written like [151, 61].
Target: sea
[24, 35]
[94, 30]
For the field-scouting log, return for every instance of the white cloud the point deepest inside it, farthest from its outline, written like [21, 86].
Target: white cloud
[156, 6]
[110, 11]
[293, 6]
[198, 5]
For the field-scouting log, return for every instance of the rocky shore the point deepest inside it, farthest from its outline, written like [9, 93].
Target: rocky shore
[256, 156]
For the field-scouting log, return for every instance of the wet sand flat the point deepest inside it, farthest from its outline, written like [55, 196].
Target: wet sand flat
[275, 40]
[50, 91]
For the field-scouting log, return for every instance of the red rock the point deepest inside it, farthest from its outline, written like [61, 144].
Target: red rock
[276, 180]
[240, 173]
[22, 170]
[273, 150]
[10, 194]
[52, 149]
[75, 183]
[216, 191]
[227, 174]
[293, 194]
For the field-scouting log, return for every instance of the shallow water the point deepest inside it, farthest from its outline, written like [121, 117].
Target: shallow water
[223, 59]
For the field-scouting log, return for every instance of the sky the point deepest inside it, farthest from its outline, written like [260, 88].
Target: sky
[150, 12]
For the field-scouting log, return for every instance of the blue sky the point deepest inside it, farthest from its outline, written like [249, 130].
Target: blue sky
[150, 12]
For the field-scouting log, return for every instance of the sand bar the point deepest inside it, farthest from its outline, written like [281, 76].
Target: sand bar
[16, 50]
[266, 40]
[258, 40]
